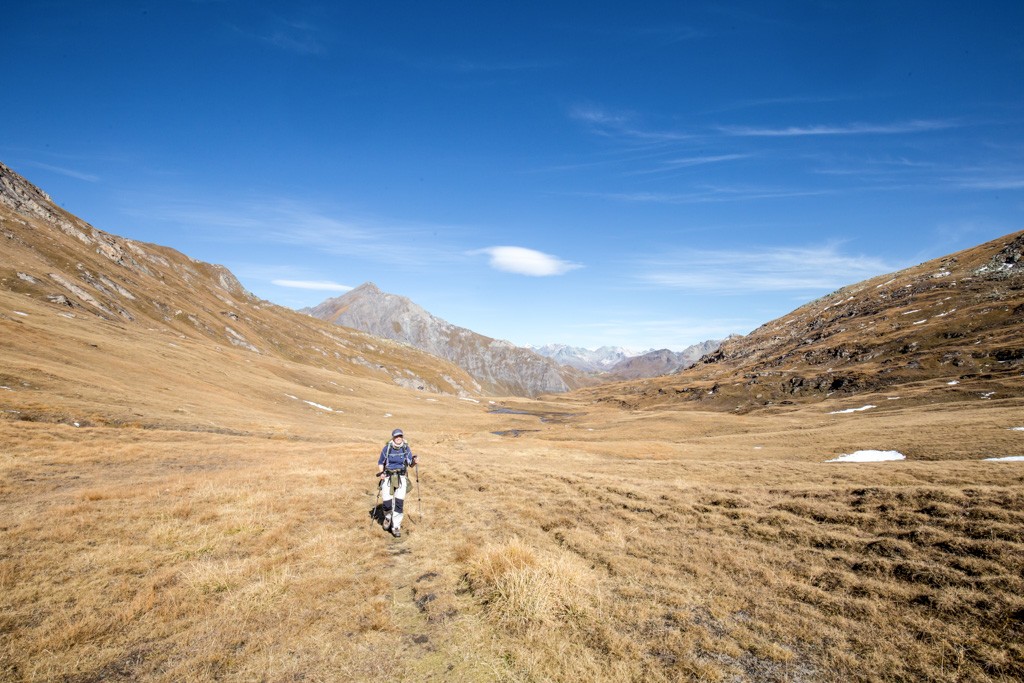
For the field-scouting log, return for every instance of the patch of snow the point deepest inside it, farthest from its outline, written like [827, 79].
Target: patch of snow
[892, 398]
[943, 315]
[294, 398]
[851, 410]
[953, 383]
[317, 405]
[886, 283]
[1012, 429]
[7, 388]
[921, 321]
[77, 425]
[1009, 458]
[942, 273]
[916, 310]
[988, 394]
[21, 314]
[387, 414]
[869, 456]
[466, 398]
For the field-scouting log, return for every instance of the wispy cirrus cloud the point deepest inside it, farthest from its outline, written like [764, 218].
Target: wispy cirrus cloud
[621, 125]
[523, 261]
[316, 285]
[290, 35]
[761, 269]
[712, 194]
[70, 172]
[678, 163]
[993, 183]
[299, 223]
[920, 126]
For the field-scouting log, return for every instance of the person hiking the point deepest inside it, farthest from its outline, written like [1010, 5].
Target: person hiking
[395, 458]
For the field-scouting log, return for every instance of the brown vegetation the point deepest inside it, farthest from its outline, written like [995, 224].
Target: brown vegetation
[176, 505]
[607, 546]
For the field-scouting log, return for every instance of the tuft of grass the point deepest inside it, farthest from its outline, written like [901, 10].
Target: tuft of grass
[523, 591]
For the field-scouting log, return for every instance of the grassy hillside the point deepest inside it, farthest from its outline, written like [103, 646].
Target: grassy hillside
[951, 329]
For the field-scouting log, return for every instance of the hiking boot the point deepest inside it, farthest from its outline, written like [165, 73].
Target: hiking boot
[396, 532]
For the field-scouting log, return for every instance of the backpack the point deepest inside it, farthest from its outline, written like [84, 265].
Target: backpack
[408, 479]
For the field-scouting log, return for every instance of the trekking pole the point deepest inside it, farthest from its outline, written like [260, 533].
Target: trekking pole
[376, 502]
[419, 493]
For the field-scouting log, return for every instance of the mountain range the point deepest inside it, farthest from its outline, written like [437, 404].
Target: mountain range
[953, 325]
[500, 367]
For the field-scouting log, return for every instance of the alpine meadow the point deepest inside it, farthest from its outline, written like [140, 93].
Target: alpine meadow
[187, 488]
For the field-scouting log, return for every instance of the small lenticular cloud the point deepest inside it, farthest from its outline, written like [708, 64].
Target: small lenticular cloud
[320, 285]
[524, 261]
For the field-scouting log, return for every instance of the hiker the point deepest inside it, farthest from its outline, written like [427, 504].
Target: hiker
[395, 457]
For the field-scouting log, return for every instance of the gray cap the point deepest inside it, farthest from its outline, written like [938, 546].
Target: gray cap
[397, 432]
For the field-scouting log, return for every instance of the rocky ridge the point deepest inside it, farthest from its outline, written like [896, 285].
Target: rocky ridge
[944, 328]
[499, 366]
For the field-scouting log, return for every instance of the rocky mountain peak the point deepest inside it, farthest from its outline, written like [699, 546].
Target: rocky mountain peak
[499, 366]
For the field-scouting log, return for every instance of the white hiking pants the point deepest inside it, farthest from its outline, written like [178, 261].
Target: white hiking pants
[394, 500]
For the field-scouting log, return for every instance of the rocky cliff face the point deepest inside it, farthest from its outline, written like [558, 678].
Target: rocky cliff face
[499, 366]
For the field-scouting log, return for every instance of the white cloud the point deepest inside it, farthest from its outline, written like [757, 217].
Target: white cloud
[524, 261]
[759, 269]
[319, 285]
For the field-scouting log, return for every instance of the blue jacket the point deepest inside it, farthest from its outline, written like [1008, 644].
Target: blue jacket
[395, 457]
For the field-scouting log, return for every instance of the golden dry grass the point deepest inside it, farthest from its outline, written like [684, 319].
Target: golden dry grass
[589, 549]
[202, 524]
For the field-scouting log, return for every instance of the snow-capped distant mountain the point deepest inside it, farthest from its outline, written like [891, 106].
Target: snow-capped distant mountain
[588, 360]
[625, 363]
[663, 361]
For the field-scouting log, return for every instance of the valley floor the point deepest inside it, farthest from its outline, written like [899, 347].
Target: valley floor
[601, 545]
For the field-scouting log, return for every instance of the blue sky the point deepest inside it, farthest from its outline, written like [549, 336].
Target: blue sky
[648, 174]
